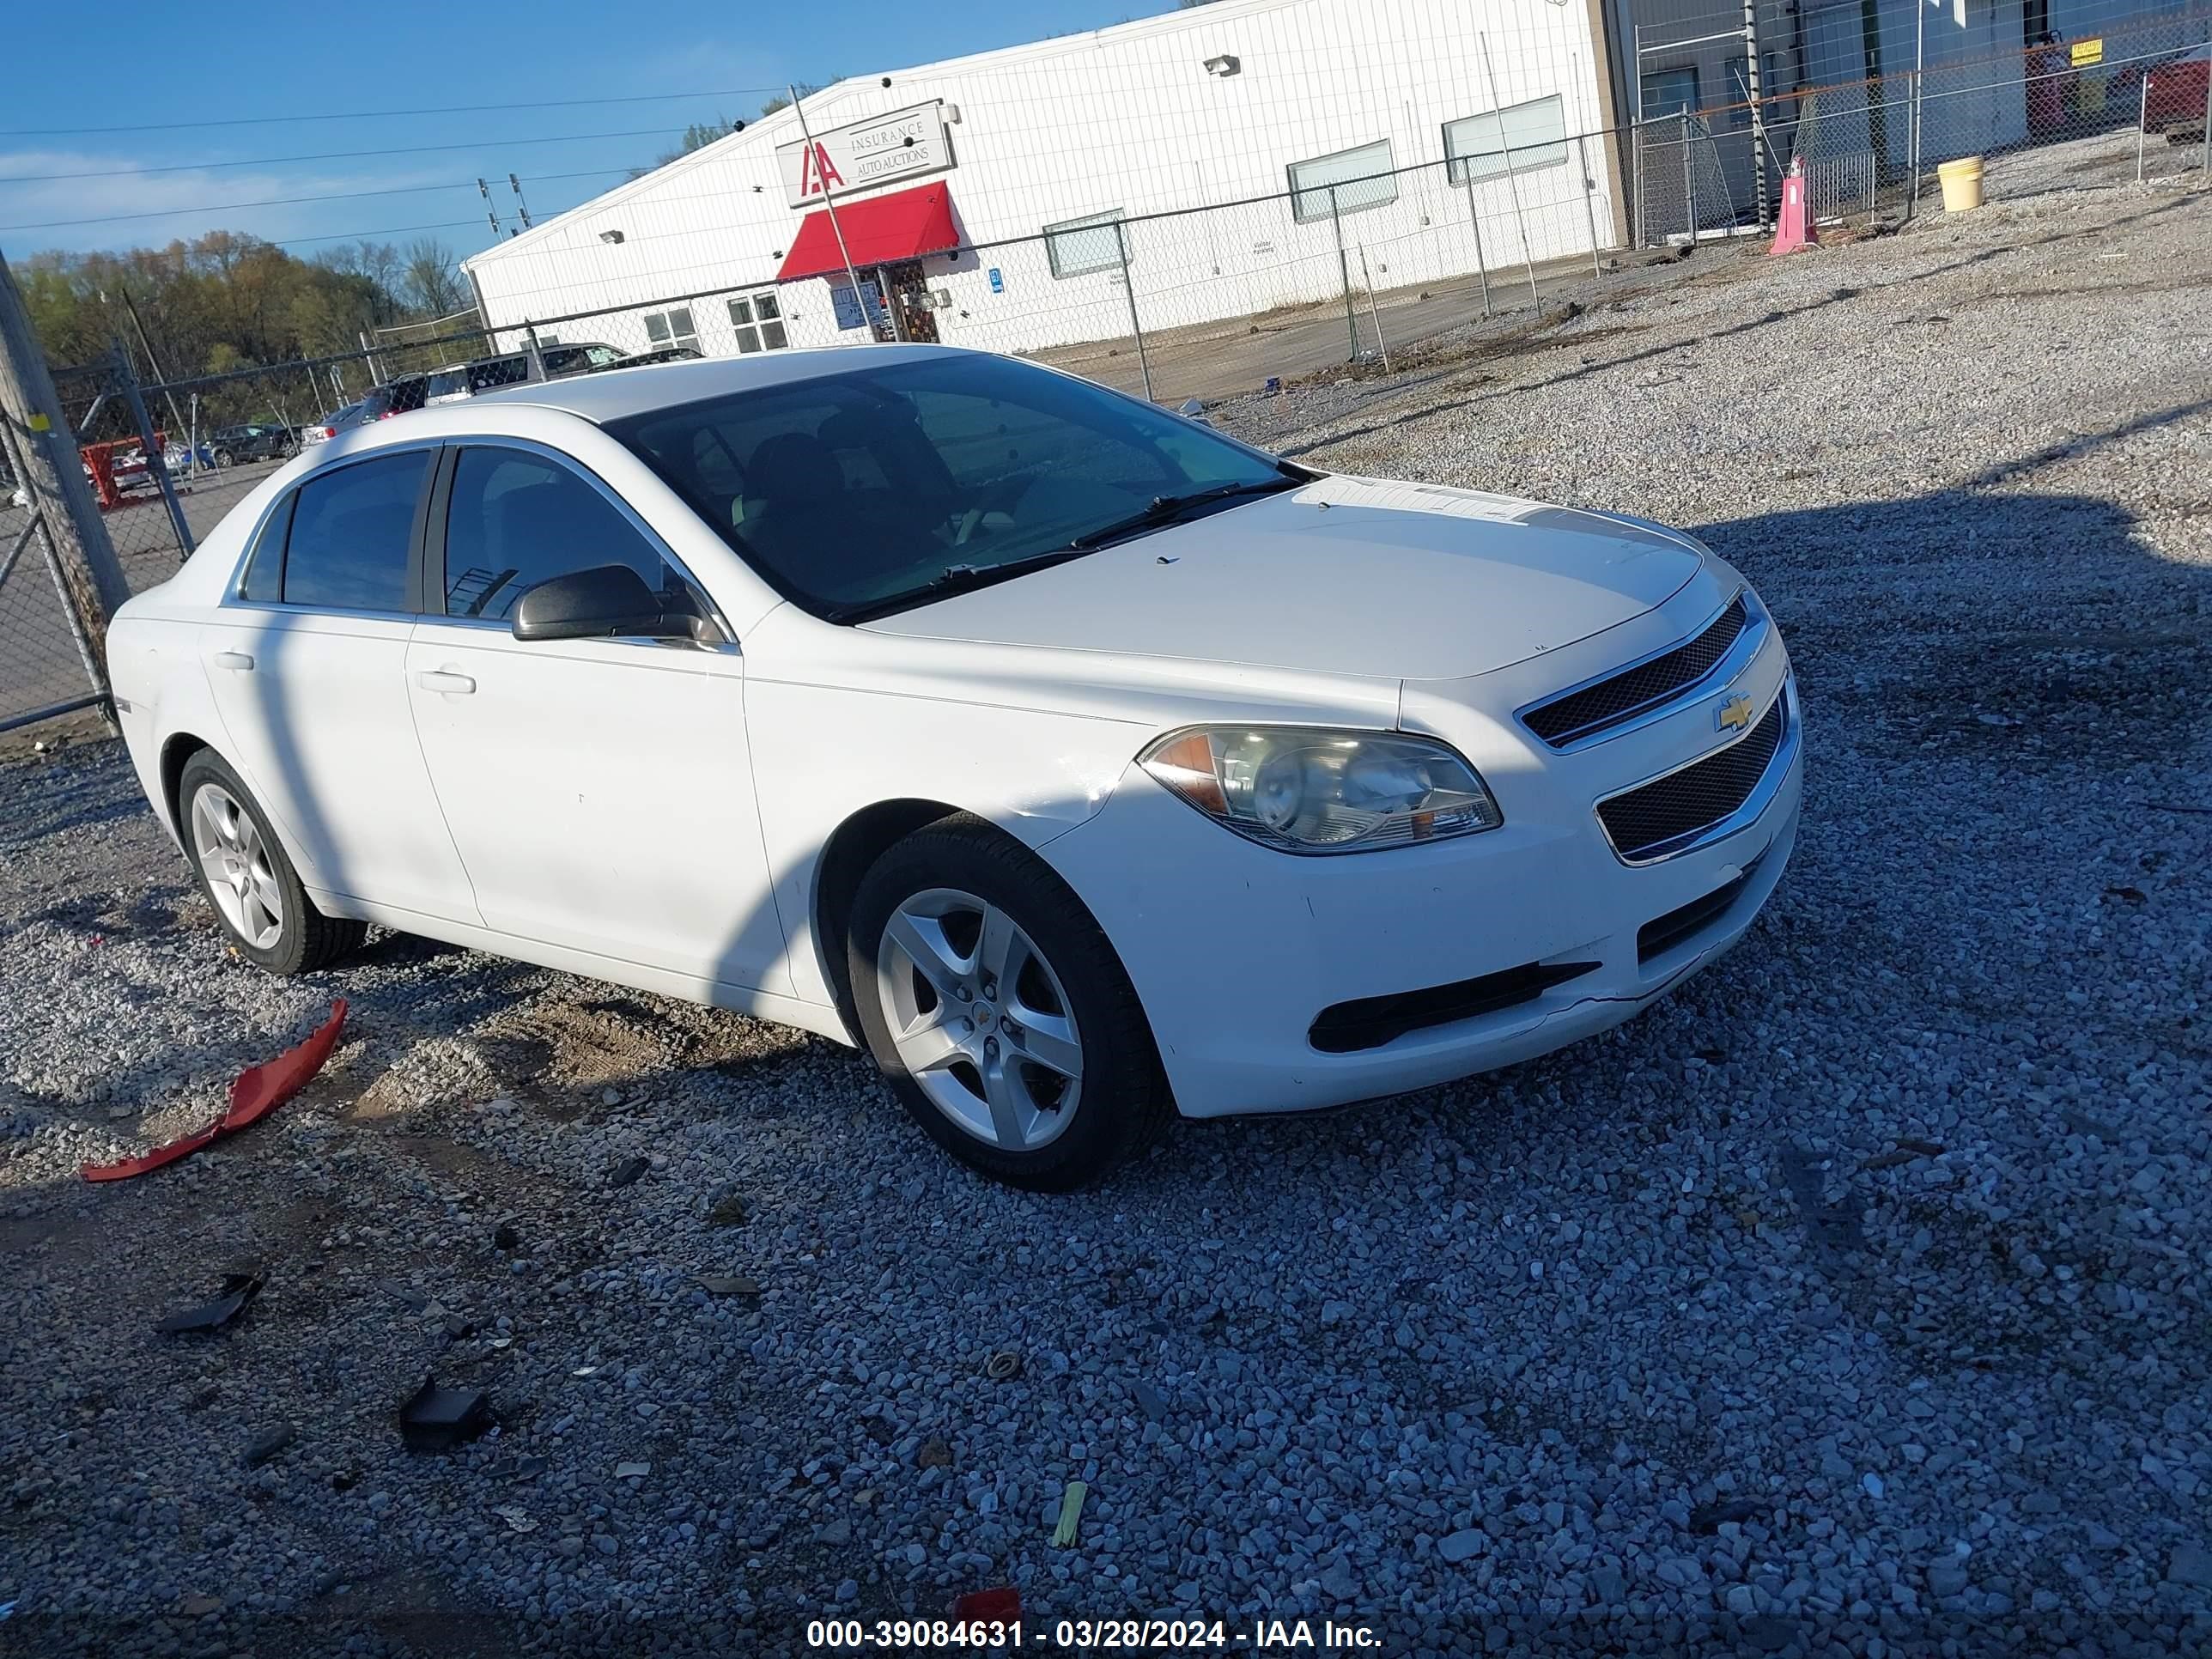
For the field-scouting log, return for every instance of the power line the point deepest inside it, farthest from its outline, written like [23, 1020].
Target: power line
[388, 114]
[233, 206]
[341, 155]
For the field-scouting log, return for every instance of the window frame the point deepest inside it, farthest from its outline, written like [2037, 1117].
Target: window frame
[1675, 112]
[756, 324]
[439, 505]
[234, 593]
[1479, 167]
[686, 336]
[1053, 234]
[1386, 175]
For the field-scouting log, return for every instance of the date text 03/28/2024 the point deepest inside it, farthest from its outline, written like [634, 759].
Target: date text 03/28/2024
[1261, 1637]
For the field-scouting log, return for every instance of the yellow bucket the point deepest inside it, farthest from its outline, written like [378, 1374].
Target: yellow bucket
[1962, 183]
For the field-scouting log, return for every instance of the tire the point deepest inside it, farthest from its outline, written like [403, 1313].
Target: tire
[261, 906]
[224, 459]
[995, 1099]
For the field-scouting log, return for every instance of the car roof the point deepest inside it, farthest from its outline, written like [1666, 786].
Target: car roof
[615, 392]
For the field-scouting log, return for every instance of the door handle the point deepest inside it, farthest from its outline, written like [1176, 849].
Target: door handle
[445, 680]
[239, 660]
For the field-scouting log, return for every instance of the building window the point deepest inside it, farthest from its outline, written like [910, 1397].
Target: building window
[1362, 179]
[1519, 138]
[671, 328]
[758, 319]
[1076, 247]
[1669, 91]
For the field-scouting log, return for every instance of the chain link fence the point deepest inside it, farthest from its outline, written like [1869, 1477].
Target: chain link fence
[1227, 298]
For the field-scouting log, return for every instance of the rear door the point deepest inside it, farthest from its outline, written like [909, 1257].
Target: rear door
[600, 790]
[308, 663]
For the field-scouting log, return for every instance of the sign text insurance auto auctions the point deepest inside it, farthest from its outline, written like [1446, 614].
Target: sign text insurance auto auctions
[904, 144]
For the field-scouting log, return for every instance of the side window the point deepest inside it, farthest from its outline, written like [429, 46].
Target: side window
[517, 519]
[351, 532]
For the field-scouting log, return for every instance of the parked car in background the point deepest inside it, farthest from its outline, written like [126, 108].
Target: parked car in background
[446, 385]
[258, 442]
[579, 357]
[323, 428]
[2174, 99]
[667, 354]
[1081, 763]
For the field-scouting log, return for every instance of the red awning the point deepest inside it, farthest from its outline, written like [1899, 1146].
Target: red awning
[880, 231]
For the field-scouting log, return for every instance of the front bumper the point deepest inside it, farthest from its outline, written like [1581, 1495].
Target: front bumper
[1235, 949]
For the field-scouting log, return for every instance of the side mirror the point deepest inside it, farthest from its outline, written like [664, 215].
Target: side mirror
[609, 601]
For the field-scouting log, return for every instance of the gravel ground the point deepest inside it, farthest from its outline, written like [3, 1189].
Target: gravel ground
[1852, 1301]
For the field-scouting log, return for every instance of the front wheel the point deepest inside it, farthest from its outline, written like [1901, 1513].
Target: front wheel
[998, 1010]
[246, 874]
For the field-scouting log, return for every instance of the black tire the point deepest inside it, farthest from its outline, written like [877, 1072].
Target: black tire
[309, 941]
[1123, 1102]
[224, 459]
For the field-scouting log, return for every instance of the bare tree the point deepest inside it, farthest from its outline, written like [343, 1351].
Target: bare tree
[433, 283]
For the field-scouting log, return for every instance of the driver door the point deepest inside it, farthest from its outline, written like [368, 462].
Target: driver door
[599, 790]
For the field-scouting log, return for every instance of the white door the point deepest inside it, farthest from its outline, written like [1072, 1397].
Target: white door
[308, 669]
[600, 790]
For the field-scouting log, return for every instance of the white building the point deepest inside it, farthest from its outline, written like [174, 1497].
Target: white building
[978, 198]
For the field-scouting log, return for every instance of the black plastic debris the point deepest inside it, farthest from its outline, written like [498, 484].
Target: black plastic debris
[1709, 1518]
[436, 1420]
[238, 1290]
[628, 1172]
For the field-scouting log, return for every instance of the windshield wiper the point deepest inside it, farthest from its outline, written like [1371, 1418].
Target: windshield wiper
[955, 578]
[1164, 510]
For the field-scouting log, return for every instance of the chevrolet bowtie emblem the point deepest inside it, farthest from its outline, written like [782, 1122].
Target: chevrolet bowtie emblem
[1733, 716]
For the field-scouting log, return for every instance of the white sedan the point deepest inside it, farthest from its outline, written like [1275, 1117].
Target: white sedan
[1083, 764]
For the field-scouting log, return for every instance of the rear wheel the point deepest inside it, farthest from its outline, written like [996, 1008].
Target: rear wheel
[246, 876]
[998, 1010]
[223, 458]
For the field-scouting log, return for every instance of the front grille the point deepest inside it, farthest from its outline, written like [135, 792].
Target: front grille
[1641, 823]
[1612, 702]
[1663, 933]
[1371, 1022]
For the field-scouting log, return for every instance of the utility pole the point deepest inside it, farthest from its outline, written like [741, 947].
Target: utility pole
[45, 449]
[813, 156]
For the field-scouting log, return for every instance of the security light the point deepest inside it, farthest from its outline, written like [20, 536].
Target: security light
[1223, 67]
[610, 236]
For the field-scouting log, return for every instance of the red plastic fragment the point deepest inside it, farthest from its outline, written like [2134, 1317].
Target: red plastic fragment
[254, 1093]
[1002, 1606]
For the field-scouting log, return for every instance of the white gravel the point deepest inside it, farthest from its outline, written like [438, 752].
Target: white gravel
[1853, 1301]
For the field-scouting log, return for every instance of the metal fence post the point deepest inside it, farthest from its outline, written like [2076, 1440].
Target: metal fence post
[1373, 311]
[1638, 230]
[1590, 209]
[1755, 83]
[2207, 111]
[2142, 121]
[1143, 363]
[1689, 182]
[156, 466]
[1344, 272]
[1474, 221]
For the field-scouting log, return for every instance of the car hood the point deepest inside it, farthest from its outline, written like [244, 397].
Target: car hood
[1344, 575]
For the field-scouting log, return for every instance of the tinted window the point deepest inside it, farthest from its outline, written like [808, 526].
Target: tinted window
[351, 530]
[264, 567]
[518, 519]
[855, 490]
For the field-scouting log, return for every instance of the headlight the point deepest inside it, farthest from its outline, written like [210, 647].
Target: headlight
[1303, 789]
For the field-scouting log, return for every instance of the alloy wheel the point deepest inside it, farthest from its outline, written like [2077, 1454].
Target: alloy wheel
[980, 1019]
[240, 876]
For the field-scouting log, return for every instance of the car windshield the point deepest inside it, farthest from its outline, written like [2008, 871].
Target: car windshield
[859, 494]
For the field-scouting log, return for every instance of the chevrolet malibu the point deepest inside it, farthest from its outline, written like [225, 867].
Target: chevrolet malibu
[1083, 764]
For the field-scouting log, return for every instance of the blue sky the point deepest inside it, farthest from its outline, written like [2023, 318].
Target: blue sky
[337, 62]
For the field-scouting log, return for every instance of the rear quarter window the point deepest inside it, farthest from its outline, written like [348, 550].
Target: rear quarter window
[352, 534]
